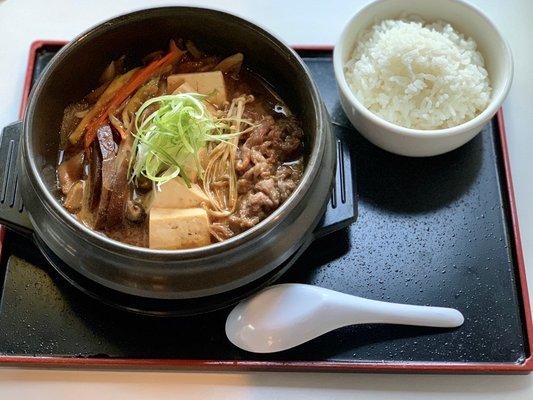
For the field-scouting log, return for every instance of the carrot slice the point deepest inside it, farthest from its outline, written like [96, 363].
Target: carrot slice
[104, 98]
[140, 77]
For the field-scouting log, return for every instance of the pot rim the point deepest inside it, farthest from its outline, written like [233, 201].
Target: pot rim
[96, 238]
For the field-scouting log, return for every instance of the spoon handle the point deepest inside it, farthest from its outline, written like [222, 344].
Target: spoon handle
[373, 311]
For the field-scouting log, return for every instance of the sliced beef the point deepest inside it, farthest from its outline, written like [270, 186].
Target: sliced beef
[269, 188]
[287, 178]
[269, 167]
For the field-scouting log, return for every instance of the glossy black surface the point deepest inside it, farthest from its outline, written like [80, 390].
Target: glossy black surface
[430, 231]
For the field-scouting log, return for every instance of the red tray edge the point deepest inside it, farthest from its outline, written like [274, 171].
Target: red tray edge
[405, 367]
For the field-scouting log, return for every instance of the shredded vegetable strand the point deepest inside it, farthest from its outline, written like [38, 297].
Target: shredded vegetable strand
[220, 180]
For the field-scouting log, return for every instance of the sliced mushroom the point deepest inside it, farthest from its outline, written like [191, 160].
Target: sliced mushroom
[74, 198]
[135, 211]
[70, 171]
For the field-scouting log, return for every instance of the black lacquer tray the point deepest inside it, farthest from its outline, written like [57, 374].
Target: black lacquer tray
[431, 231]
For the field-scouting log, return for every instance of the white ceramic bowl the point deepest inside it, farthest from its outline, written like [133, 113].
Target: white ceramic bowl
[414, 142]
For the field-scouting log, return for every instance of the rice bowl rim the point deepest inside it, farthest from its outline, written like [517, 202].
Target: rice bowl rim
[479, 120]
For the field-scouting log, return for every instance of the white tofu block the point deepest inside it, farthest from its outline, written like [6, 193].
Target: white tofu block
[186, 88]
[178, 229]
[208, 83]
[176, 194]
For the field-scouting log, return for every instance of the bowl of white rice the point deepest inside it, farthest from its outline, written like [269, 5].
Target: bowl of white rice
[421, 78]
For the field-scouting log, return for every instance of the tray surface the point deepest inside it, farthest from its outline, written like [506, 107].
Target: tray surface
[431, 231]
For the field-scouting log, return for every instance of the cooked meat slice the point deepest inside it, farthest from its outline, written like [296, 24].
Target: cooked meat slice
[264, 182]
[251, 209]
[260, 170]
[240, 223]
[244, 186]
[244, 158]
[287, 178]
[286, 136]
[268, 187]
[70, 171]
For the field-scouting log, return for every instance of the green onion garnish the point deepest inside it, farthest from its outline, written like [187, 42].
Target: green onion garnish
[173, 135]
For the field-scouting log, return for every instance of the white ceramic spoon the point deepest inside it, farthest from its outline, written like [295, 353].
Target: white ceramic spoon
[284, 316]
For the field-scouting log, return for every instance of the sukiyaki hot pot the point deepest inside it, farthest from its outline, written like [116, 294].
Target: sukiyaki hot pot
[187, 150]
[175, 153]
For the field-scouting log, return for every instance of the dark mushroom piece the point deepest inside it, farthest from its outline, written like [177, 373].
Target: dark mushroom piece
[144, 184]
[105, 149]
[115, 186]
[120, 191]
[135, 211]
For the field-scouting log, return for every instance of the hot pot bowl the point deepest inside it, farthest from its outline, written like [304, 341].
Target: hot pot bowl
[149, 274]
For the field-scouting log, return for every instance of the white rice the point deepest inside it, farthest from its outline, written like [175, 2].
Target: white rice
[418, 75]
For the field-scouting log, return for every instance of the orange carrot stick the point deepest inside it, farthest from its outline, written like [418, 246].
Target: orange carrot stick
[125, 91]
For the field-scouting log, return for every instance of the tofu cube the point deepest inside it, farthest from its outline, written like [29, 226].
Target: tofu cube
[172, 229]
[208, 83]
[186, 88]
[176, 194]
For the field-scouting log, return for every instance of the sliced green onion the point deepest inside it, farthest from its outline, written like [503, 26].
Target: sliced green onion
[173, 135]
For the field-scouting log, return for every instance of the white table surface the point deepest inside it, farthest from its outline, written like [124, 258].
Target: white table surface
[298, 22]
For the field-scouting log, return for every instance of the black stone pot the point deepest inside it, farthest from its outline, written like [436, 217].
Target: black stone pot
[186, 275]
